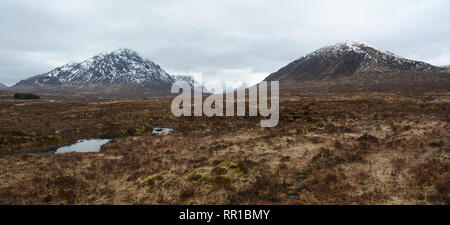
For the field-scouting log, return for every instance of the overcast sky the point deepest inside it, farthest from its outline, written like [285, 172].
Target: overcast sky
[240, 41]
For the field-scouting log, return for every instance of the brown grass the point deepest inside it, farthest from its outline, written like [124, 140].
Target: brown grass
[328, 149]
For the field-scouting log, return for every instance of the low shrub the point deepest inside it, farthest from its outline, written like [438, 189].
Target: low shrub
[26, 96]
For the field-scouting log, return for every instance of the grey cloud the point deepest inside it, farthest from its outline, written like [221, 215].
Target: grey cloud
[213, 38]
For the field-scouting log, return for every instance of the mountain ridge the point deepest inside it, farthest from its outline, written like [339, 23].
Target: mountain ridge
[355, 65]
[119, 67]
[119, 73]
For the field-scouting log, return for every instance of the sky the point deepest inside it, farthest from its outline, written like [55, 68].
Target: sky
[233, 40]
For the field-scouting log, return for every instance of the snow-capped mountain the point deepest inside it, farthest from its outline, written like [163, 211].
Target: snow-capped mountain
[2, 86]
[348, 58]
[123, 66]
[357, 65]
[188, 79]
[121, 73]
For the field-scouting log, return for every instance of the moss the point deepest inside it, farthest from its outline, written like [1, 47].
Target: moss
[194, 175]
[206, 178]
[223, 179]
[239, 172]
[151, 181]
[54, 138]
[229, 165]
[229, 172]
[235, 169]
[132, 131]
[6, 140]
[142, 129]
[300, 121]
[152, 118]
[191, 171]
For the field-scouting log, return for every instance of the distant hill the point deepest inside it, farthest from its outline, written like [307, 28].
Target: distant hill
[121, 73]
[2, 86]
[354, 66]
[191, 81]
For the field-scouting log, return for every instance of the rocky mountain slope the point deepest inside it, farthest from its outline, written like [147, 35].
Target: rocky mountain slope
[185, 79]
[121, 73]
[2, 86]
[188, 79]
[354, 66]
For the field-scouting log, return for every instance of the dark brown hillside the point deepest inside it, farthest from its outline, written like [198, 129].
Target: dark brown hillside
[353, 66]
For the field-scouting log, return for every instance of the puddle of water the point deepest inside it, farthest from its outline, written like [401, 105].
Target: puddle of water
[301, 177]
[293, 196]
[9, 200]
[92, 145]
[286, 187]
[161, 130]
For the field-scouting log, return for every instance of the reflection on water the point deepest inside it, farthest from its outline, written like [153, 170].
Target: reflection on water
[92, 145]
[161, 130]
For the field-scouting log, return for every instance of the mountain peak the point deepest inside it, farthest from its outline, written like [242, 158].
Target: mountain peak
[124, 51]
[350, 44]
[347, 58]
[352, 47]
[358, 64]
[122, 67]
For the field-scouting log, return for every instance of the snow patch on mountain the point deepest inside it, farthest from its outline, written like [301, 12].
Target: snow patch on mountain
[188, 79]
[372, 59]
[122, 66]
